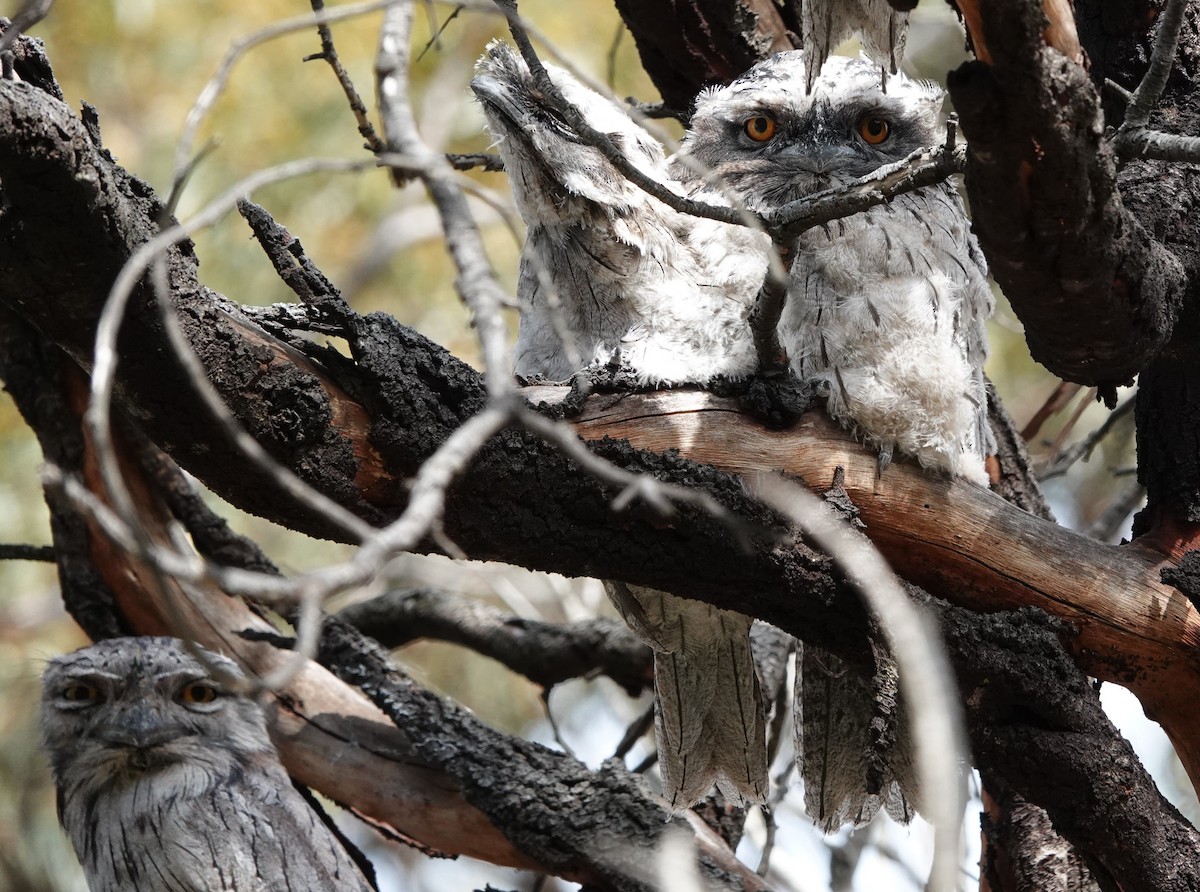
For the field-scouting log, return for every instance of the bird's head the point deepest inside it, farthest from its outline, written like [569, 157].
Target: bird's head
[555, 176]
[773, 142]
[129, 708]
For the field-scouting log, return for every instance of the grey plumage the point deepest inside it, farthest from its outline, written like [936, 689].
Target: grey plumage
[664, 293]
[826, 23]
[886, 309]
[884, 315]
[666, 296]
[168, 782]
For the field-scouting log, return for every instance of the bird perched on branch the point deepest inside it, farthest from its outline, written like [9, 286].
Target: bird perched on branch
[613, 275]
[168, 782]
[884, 315]
[608, 272]
[885, 310]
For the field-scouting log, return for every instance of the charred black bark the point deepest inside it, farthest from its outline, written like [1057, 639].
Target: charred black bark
[1163, 198]
[1098, 295]
[33, 374]
[707, 42]
[522, 501]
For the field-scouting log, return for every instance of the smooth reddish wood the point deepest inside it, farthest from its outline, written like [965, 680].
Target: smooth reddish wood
[957, 541]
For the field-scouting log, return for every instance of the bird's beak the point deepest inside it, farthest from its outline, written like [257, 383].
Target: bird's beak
[138, 727]
[494, 94]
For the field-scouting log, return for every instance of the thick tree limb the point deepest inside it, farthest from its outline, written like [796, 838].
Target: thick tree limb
[1097, 294]
[438, 779]
[545, 653]
[1163, 197]
[401, 396]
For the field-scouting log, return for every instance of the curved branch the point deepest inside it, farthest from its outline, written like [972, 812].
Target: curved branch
[1098, 295]
[383, 413]
[545, 653]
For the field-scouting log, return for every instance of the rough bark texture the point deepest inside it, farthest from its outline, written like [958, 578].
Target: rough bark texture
[707, 42]
[1098, 295]
[545, 653]
[356, 428]
[1022, 851]
[1163, 198]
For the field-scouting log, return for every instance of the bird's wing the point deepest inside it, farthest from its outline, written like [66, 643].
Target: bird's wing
[710, 723]
[826, 23]
[839, 752]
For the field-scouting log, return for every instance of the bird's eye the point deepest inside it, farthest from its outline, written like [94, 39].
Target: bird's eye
[81, 693]
[874, 130]
[759, 128]
[198, 693]
[556, 117]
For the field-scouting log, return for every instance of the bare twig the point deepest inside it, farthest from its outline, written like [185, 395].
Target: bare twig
[600, 141]
[920, 169]
[656, 110]
[357, 106]
[764, 317]
[925, 676]
[554, 729]
[476, 282]
[545, 653]
[98, 417]
[1069, 425]
[1111, 519]
[1162, 58]
[1063, 461]
[471, 161]
[44, 553]
[1133, 138]
[635, 732]
[1064, 392]
[655, 493]
[30, 13]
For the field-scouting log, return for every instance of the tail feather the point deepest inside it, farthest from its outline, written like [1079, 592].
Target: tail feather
[835, 747]
[710, 723]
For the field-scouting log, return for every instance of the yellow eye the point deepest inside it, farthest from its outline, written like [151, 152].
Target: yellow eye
[198, 693]
[79, 692]
[874, 130]
[759, 128]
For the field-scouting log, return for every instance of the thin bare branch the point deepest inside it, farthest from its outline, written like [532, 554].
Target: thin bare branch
[43, 553]
[1064, 461]
[220, 79]
[98, 416]
[1166, 42]
[357, 107]
[30, 13]
[923, 168]
[926, 679]
[545, 653]
[481, 160]
[476, 281]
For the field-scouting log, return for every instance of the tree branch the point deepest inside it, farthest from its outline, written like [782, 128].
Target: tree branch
[1097, 294]
[400, 397]
[545, 653]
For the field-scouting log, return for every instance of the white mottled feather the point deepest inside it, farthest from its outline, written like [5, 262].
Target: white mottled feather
[666, 295]
[667, 292]
[886, 309]
[162, 793]
[885, 316]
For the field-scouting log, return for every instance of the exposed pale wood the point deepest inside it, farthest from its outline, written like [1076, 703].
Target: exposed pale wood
[329, 736]
[955, 540]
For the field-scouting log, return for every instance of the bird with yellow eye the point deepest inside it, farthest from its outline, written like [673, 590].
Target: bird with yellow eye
[873, 129]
